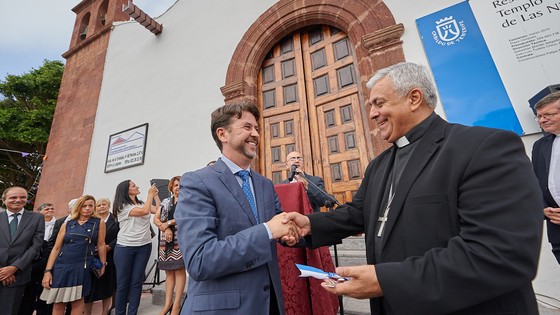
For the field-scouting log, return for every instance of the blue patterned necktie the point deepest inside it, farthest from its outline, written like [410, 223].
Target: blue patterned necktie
[248, 193]
[13, 225]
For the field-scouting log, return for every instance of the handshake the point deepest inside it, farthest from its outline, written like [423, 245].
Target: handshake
[289, 227]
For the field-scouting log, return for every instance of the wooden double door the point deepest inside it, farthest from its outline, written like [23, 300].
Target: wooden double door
[309, 94]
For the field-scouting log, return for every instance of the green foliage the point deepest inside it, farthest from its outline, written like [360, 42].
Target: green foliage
[27, 104]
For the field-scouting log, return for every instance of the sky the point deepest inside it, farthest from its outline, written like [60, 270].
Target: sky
[35, 30]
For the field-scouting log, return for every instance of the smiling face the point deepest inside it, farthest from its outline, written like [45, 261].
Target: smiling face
[391, 112]
[240, 139]
[549, 119]
[15, 199]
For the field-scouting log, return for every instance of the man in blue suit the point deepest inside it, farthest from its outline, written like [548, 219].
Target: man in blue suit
[228, 218]
[546, 164]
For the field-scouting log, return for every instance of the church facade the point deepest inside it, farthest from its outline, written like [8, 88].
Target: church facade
[137, 94]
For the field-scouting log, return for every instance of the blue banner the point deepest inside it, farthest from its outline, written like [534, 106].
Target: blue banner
[470, 88]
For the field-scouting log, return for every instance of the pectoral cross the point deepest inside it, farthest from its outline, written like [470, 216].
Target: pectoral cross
[385, 217]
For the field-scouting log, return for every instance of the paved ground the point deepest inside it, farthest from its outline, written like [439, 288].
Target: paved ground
[361, 307]
[352, 307]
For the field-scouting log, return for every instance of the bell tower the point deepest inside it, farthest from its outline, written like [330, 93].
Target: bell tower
[65, 165]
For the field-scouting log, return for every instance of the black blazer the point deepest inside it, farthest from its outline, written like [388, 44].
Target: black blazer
[464, 229]
[111, 232]
[541, 155]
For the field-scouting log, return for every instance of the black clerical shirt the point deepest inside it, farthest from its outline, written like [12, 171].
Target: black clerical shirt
[402, 151]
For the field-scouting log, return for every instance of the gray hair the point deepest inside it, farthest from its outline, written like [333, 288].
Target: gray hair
[104, 199]
[71, 204]
[43, 206]
[406, 76]
[550, 98]
[5, 193]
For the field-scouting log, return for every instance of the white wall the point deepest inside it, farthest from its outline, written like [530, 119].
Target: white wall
[172, 81]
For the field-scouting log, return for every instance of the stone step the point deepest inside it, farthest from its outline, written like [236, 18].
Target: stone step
[344, 260]
[353, 243]
[351, 252]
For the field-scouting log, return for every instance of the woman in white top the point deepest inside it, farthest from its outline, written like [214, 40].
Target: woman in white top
[134, 244]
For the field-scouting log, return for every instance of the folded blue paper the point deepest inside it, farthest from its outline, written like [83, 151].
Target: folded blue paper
[308, 271]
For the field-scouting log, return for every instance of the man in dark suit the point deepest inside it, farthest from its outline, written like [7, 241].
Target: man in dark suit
[21, 238]
[315, 190]
[451, 214]
[546, 164]
[228, 218]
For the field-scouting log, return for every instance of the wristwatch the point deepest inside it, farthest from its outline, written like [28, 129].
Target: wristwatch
[47, 270]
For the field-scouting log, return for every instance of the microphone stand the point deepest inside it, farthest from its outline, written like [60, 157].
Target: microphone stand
[331, 199]
[329, 204]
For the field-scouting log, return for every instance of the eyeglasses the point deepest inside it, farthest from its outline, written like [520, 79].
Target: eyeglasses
[296, 158]
[546, 116]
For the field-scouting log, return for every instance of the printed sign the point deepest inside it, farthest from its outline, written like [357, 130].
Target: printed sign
[126, 148]
[523, 37]
[469, 85]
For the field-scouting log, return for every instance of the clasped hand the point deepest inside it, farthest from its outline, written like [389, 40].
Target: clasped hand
[283, 230]
[7, 276]
[289, 227]
[362, 281]
[553, 214]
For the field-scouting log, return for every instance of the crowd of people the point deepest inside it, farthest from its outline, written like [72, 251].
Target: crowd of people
[452, 218]
[63, 266]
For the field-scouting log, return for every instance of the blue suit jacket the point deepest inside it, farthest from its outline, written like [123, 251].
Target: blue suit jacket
[231, 262]
[541, 155]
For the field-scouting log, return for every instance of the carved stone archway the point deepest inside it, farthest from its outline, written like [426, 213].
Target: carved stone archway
[369, 24]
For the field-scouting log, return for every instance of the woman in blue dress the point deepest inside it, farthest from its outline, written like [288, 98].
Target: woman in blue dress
[68, 273]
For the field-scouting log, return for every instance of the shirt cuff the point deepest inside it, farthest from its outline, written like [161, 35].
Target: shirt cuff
[268, 231]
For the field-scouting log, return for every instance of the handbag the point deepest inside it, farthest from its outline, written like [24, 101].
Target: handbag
[96, 266]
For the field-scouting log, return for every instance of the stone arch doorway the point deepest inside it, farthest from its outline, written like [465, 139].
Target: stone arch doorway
[374, 41]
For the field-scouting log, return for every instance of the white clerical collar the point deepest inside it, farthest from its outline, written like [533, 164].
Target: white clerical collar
[402, 142]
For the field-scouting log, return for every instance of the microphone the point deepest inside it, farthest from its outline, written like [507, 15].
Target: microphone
[331, 201]
[293, 172]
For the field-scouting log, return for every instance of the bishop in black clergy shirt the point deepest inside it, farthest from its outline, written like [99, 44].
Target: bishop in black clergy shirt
[315, 190]
[452, 214]
[546, 164]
